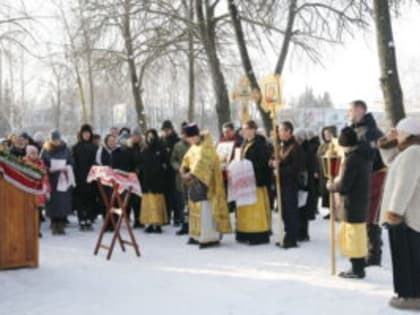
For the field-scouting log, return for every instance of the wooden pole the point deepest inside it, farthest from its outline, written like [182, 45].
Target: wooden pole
[277, 176]
[244, 112]
[332, 223]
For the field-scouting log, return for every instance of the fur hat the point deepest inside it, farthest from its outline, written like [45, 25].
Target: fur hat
[167, 124]
[86, 128]
[191, 130]
[348, 137]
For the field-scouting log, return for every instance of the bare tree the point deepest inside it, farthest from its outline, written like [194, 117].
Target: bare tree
[72, 55]
[189, 9]
[390, 82]
[246, 62]
[207, 22]
[306, 25]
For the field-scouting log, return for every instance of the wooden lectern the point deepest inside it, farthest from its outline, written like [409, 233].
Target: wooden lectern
[18, 227]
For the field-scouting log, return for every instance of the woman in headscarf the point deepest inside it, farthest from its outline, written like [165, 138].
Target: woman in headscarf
[59, 161]
[154, 165]
[400, 211]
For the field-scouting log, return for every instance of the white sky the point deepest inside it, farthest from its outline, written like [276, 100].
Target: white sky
[352, 71]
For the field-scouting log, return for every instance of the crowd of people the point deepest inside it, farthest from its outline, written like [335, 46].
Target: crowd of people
[184, 182]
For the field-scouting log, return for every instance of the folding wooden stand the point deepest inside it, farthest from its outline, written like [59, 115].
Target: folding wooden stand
[111, 212]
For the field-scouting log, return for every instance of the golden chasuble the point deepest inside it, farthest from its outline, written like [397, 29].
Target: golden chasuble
[203, 162]
[254, 218]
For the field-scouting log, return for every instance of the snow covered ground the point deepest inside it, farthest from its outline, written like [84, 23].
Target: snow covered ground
[174, 278]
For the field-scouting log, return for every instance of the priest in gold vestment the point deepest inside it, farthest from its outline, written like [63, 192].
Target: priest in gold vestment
[201, 170]
[253, 222]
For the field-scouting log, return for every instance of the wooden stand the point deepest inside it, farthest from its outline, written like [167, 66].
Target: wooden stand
[18, 228]
[111, 213]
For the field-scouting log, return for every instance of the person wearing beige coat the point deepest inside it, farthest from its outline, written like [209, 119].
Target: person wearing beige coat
[400, 210]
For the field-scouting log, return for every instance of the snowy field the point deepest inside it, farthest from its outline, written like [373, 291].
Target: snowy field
[174, 278]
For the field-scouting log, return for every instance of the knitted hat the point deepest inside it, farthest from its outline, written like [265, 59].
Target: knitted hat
[55, 135]
[167, 124]
[39, 137]
[191, 130]
[136, 131]
[348, 137]
[24, 135]
[409, 125]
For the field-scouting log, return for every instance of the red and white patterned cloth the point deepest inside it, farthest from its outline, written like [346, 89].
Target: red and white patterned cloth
[20, 180]
[108, 176]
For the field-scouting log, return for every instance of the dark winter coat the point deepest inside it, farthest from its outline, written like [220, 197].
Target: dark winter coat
[354, 184]
[60, 203]
[135, 151]
[154, 168]
[180, 149]
[312, 167]
[291, 163]
[84, 154]
[258, 154]
[119, 158]
[368, 134]
[168, 143]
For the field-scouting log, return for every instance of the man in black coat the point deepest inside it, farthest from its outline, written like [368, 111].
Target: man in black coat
[169, 139]
[291, 165]
[84, 153]
[368, 133]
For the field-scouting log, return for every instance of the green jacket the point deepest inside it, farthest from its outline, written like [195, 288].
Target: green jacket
[180, 149]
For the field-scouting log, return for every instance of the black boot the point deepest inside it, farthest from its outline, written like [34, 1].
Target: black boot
[60, 228]
[184, 229]
[303, 235]
[88, 226]
[375, 245]
[357, 271]
[82, 226]
[54, 228]
[150, 229]
[192, 241]
[158, 229]
[288, 243]
[209, 245]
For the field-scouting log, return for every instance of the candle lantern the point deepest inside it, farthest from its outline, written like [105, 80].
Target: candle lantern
[332, 160]
[331, 164]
